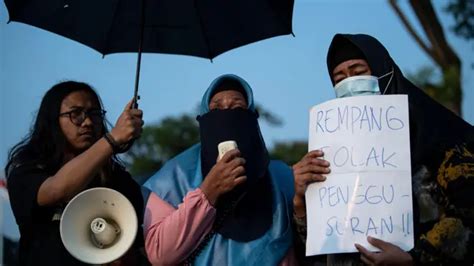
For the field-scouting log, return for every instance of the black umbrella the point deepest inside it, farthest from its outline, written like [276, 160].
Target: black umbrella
[203, 28]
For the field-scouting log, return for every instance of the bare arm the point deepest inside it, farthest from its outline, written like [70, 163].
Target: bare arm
[74, 175]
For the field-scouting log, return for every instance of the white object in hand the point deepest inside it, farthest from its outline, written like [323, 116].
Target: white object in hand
[226, 146]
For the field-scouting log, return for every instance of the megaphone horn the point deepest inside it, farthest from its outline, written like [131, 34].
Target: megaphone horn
[98, 225]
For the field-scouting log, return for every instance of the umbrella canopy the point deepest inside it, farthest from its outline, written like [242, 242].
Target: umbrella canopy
[203, 28]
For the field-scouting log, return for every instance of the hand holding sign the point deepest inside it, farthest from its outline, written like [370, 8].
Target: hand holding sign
[389, 255]
[311, 168]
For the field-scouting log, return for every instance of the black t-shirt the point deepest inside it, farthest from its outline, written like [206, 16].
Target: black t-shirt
[40, 240]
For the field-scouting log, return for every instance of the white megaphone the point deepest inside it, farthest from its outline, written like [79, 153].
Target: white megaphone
[98, 225]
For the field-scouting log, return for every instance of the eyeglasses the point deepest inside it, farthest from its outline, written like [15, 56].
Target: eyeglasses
[79, 115]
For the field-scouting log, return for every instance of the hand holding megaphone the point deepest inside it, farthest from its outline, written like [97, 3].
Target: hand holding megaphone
[98, 226]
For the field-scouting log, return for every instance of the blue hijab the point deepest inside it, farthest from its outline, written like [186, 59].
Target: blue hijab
[182, 174]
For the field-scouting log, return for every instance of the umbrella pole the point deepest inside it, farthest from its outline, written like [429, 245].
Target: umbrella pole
[139, 55]
[126, 146]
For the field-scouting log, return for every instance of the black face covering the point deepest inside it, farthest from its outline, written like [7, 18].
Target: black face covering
[241, 126]
[244, 213]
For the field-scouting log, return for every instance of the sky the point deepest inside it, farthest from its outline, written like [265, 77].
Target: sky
[288, 74]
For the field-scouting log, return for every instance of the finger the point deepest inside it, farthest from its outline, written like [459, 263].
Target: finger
[319, 169]
[313, 169]
[319, 162]
[127, 119]
[307, 158]
[378, 243]
[371, 256]
[129, 105]
[137, 123]
[136, 113]
[312, 157]
[317, 178]
[300, 163]
[230, 155]
[309, 178]
[365, 260]
[315, 153]
[236, 162]
[240, 180]
[239, 171]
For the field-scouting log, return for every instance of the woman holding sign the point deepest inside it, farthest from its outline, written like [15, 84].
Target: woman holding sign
[442, 148]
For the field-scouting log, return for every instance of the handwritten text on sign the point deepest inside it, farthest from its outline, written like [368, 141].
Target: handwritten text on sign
[366, 141]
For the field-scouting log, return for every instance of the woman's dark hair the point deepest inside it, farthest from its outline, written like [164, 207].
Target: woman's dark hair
[45, 144]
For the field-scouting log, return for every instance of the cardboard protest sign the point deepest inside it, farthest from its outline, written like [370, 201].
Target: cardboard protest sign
[368, 192]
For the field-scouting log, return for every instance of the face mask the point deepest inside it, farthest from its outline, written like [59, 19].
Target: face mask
[360, 85]
[357, 85]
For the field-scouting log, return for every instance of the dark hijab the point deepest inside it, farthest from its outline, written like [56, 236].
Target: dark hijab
[433, 128]
[440, 145]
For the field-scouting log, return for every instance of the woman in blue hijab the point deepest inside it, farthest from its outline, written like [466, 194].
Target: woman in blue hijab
[232, 211]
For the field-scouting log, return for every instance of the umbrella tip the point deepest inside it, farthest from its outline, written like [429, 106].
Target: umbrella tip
[293, 34]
